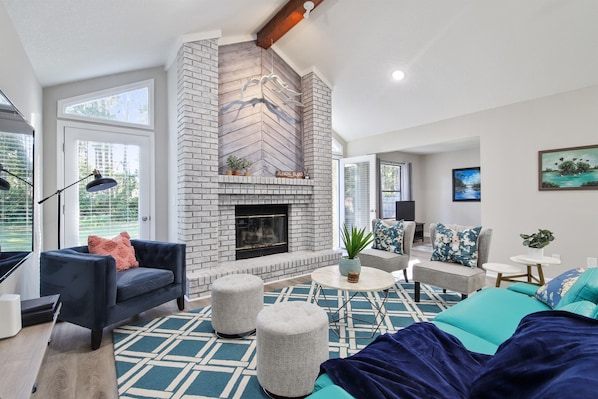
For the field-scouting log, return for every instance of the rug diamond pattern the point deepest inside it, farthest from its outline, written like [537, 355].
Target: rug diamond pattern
[180, 357]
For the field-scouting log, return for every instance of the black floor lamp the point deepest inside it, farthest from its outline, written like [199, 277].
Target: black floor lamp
[5, 185]
[99, 183]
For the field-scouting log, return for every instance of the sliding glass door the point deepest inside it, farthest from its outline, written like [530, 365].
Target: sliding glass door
[358, 191]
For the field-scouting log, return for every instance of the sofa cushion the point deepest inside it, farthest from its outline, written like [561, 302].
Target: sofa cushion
[140, 280]
[492, 314]
[119, 248]
[389, 237]
[584, 289]
[456, 246]
[584, 308]
[452, 276]
[552, 292]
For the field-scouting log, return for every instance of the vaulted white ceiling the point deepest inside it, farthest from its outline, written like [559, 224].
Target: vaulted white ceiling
[459, 56]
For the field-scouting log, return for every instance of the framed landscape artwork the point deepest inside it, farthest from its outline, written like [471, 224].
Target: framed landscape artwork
[574, 168]
[467, 184]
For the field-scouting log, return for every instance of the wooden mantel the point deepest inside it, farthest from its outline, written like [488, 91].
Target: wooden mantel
[288, 16]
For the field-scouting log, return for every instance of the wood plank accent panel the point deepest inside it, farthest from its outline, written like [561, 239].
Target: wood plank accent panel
[253, 131]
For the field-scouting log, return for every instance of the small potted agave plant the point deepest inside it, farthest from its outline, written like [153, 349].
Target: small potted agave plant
[355, 241]
[536, 242]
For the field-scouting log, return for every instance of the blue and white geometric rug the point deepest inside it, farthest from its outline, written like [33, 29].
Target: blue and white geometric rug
[179, 356]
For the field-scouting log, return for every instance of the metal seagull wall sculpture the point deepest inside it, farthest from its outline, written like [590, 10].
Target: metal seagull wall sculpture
[283, 92]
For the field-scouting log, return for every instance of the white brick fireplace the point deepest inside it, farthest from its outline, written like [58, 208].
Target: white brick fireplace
[207, 200]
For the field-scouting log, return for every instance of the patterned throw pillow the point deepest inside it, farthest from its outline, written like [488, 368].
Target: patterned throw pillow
[456, 246]
[119, 247]
[552, 292]
[389, 238]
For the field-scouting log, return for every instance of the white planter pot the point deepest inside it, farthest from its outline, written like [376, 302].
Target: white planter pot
[535, 253]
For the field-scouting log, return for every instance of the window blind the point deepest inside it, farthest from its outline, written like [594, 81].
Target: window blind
[16, 204]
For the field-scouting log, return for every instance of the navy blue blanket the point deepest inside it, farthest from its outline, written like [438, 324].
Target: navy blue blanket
[551, 353]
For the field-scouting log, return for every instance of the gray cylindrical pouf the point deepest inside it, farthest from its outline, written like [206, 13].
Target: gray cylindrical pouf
[236, 301]
[292, 342]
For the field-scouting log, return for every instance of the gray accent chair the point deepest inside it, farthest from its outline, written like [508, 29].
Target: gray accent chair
[453, 276]
[390, 261]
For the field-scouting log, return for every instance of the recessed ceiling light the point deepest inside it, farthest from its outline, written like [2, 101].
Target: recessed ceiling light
[398, 75]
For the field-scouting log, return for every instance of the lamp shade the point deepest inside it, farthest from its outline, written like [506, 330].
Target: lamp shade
[4, 185]
[99, 183]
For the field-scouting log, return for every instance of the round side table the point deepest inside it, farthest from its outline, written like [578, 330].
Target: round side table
[537, 262]
[500, 269]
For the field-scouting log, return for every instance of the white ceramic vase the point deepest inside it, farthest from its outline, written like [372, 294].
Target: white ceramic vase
[535, 253]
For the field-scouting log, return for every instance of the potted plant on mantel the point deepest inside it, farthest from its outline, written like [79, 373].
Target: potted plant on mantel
[355, 241]
[536, 242]
[246, 164]
[235, 164]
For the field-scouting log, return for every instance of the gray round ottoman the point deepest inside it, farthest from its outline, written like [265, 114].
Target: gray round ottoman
[236, 301]
[292, 342]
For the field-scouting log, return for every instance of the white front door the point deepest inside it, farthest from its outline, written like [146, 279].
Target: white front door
[122, 154]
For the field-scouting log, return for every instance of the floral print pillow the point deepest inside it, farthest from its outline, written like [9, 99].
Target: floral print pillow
[552, 292]
[389, 238]
[456, 246]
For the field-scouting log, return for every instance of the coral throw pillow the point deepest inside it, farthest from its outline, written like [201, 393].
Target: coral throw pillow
[119, 247]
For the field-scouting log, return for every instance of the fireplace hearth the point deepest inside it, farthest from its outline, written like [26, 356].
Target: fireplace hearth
[260, 230]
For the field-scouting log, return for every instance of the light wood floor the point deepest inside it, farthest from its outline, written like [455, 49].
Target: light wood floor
[71, 370]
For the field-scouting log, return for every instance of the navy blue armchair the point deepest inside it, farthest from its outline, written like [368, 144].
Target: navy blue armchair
[94, 295]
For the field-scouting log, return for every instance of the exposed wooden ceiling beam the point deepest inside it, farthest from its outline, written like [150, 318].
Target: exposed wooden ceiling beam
[288, 16]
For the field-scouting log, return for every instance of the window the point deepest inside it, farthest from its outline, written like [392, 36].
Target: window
[16, 204]
[390, 188]
[338, 149]
[130, 105]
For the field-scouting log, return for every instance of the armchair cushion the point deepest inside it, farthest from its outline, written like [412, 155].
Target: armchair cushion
[140, 280]
[389, 237]
[119, 248]
[456, 246]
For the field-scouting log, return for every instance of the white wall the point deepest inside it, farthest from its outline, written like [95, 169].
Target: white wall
[171, 77]
[438, 189]
[160, 180]
[510, 138]
[20, 84]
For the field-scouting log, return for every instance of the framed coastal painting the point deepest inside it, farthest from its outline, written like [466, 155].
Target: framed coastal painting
[467, 184]
[574, 168]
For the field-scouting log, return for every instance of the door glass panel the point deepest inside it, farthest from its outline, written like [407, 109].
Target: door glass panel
[357, 194]
[110, 212]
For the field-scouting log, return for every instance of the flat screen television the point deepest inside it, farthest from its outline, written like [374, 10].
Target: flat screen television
[405, 210]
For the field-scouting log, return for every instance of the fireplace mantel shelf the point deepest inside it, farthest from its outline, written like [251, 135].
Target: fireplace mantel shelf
[226, 179]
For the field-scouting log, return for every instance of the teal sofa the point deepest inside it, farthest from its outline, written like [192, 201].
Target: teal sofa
[487, 319]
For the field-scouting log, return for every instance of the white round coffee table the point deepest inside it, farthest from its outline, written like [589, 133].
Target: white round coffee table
[370, 280]
[500, 269]
[537, 262]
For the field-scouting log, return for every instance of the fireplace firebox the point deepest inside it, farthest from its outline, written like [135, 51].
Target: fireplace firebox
[261, 230]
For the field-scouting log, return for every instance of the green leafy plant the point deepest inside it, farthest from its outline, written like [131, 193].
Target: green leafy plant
[234, 163]
[245, 163]
[537, 240]
[355, 240]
